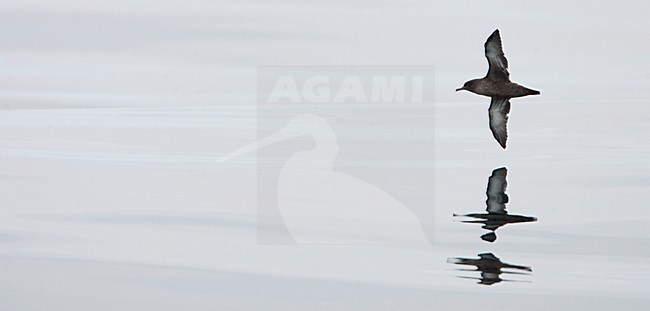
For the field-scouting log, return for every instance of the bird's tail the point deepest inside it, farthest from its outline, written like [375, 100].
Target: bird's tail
[531, 91]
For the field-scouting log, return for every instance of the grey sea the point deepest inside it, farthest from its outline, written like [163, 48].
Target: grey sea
[141, 169]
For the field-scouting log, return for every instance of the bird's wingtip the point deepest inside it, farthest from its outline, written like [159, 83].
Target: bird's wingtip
[494, 36]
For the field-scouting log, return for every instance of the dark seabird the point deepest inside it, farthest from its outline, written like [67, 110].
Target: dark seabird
[496, 84]
[496, 216]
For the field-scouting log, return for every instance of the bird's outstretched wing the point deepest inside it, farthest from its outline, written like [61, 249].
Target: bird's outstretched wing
[498, 112]
[496, 196]
[497, 60]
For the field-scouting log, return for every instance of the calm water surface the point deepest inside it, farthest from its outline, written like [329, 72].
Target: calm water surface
[114, 119]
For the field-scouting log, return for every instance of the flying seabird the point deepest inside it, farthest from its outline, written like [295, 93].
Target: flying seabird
[496, 84]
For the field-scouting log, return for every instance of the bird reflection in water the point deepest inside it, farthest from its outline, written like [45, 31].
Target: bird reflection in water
[491, 268]
[496, 215]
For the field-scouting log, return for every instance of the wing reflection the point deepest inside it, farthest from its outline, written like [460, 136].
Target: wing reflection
[491, 268]
[496, 215]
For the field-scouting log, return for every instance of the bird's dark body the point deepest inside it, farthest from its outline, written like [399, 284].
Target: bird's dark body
[499, 88]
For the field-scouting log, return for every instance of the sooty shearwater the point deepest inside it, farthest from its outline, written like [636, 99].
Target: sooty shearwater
[496, 84]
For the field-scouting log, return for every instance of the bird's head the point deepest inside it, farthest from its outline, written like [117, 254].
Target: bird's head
[468, 86]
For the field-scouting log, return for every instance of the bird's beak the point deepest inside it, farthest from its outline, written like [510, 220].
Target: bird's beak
[459, 89]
